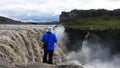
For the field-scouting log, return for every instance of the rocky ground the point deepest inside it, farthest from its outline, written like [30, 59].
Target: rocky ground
[9, 64]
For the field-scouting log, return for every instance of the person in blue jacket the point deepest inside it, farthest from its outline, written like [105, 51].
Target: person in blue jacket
[50, 39]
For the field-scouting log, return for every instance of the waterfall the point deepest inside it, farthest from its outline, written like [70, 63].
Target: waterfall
[22, 43]
[94, 54]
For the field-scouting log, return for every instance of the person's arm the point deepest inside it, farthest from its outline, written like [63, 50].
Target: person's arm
[43, 38]
[55, 38]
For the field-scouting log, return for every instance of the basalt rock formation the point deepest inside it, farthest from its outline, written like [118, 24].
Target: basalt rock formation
[109, 38]
[67, 17]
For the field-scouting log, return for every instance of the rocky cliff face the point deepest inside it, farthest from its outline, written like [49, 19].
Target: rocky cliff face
[109, 38]
[67, 17]
[22, 44]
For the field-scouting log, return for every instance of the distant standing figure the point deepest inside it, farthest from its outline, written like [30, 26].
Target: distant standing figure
[50, 39]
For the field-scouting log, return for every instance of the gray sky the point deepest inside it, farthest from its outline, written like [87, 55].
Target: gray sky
[45, 10]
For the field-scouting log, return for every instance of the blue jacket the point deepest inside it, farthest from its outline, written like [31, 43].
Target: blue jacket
[50, 39]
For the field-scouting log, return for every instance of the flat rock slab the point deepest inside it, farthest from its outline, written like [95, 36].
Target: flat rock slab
[9, 64]
[40, 65]
[69, 66]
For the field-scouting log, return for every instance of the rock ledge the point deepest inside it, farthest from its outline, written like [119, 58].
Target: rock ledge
[9, 64]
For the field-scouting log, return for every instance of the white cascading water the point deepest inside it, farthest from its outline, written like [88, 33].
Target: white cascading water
[94, 54]
[22, 43]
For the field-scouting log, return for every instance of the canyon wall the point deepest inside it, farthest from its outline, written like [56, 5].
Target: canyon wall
[109, 38]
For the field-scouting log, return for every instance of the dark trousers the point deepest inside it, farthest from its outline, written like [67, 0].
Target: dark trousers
[48, 57]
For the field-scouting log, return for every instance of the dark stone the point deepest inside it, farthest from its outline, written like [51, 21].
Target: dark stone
[69, 66]
[110, 38]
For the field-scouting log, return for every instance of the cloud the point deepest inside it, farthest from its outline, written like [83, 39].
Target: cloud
[47, 8]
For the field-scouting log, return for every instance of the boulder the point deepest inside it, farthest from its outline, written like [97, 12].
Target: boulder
[68, 66]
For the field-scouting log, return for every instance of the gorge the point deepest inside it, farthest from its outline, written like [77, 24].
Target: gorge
[86, 45]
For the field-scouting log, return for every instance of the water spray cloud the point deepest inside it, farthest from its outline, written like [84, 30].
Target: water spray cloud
[94, 54]
[59, 30]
